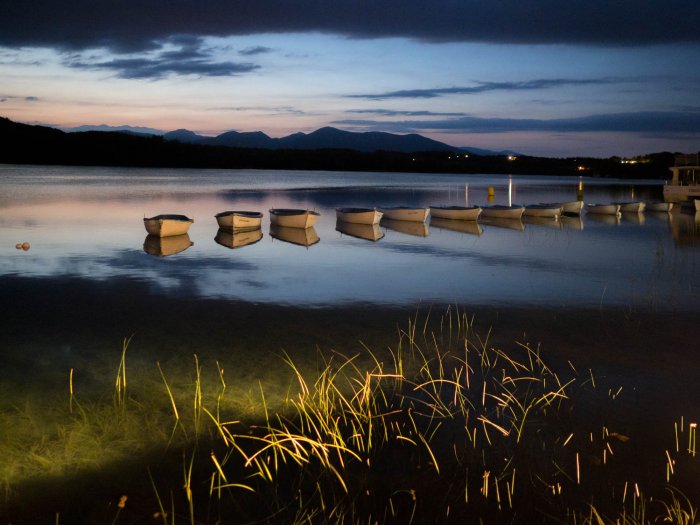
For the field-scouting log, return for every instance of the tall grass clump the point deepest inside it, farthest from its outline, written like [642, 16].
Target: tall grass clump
[444, 426]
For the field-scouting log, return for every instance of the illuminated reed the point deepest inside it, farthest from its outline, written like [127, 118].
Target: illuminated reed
[445, 424]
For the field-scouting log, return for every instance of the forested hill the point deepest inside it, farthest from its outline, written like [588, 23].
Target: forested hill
[25, 144]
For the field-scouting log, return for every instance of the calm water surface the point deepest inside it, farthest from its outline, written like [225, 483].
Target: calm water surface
[86, 223]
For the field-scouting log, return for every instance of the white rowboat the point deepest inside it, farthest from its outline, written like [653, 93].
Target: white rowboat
[404, 213]
[572, 207]
[167, 225]
[456, 213]
[603, 209]
[634, 207]
[290, 218]
[659, 206]
[543, 210]
[358, 215]
[503, 212]
[239, 220]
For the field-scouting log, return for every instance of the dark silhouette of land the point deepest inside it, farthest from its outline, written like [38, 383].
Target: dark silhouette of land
[325, 149]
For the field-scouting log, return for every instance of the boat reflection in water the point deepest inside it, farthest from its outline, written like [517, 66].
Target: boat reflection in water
[633, 217]
[237, 238]
[300, 236]
[510, 224]
[611, 219]
[470, 227]
[370, 232]
[685, 228]
[419, 229]
[548, 222]
[571, 222]
[164, 246]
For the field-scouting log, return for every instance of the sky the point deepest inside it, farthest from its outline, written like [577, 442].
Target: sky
[557, 78]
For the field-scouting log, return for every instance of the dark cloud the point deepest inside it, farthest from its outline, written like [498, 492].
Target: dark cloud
[180, 55]
[155, 69]
[399, 113]
[131, 25]
[639, 122]
[256, 50]
[484, 87]
[5, 98]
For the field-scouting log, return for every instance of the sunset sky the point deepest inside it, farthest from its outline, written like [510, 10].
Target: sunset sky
[542, 77]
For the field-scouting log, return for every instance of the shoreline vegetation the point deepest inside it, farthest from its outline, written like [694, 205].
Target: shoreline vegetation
[444, 425]
[26, 144]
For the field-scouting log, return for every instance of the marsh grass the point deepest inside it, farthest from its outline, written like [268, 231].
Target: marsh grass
[442, 426]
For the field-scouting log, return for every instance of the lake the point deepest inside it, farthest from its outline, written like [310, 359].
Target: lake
[620, 297]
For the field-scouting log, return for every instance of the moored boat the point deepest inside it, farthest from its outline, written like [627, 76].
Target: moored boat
[543, 210]
[405, 213]
[369, 232]
[167, 225]
[634, 207]
[239, 220]
[572, 207]
[603, 209]
[659, 206]
[300, 236]
[291, 218]
[456, 213]
[237, 238]
[165, 246]
[685, 179]
[358, 215]
[503, 212]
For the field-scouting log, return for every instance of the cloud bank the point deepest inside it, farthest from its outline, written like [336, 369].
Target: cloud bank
[484, 87]
[178, 55]
[134, 25]
[634, 122]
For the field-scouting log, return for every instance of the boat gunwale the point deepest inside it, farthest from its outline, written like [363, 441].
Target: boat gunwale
[248, 214]
[292, 211]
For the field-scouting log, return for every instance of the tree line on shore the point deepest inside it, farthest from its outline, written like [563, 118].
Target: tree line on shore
[25, 144]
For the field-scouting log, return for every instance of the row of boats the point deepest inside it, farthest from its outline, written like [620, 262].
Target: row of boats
[172, 225]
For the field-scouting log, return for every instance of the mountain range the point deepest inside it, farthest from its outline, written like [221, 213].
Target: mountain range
[326, 149]
[323, 138]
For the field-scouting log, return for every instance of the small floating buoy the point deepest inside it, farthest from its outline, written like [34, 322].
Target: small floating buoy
[492, 192]
[25, 246]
